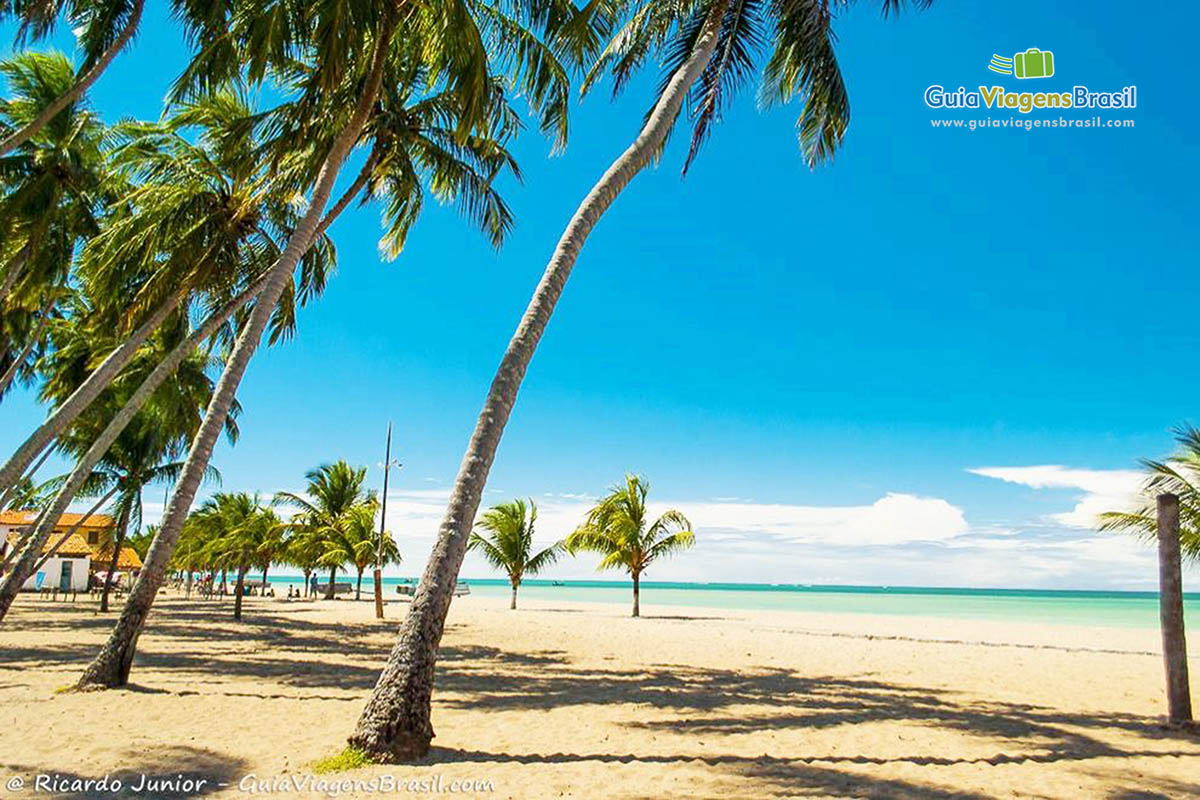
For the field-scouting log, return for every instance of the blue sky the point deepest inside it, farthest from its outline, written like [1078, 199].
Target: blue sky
[810, 364]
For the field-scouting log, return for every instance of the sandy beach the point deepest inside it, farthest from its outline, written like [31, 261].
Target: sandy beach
[578, 700]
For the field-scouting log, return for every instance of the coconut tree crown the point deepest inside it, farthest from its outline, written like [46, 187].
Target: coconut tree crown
[790, 42]
[1178, 475]
[619, 528]
[508, 544]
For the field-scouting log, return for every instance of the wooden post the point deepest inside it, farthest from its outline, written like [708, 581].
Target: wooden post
[1170, 609]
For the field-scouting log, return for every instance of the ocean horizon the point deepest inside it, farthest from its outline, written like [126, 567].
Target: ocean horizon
[1106, 608]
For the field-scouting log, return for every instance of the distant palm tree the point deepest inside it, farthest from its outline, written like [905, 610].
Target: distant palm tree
[241, 532]
[334, 490]
[511, 542]
[619, 528]
[356, 542]
[1179, 475]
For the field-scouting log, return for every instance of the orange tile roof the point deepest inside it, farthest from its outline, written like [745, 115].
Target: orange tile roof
[26, 517]
[127, 560]
[73, 547]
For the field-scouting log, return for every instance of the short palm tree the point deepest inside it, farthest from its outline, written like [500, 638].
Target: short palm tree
[1178, 475]
[620, 529]
[334, 492]
[510, 544]
[241, 531]
[356, 542]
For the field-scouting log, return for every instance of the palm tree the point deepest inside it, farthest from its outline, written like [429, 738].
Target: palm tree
[203, 215]
[238, 532]
[395, 725]
[355, 541]
[619, 528]
[443, 38]
[1179, 475]
[510, 545]
[53, 185]
[334, 492]
[103, 29]
[135, 455]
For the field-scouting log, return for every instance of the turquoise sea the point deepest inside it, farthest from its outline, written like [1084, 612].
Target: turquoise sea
[1104, 608]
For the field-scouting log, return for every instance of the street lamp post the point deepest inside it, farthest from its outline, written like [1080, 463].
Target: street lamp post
[387, 465]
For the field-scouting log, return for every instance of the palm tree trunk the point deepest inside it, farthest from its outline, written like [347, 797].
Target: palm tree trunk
[307, 575]
[7, 494]
[637, 578]
[71, 531]
[224, 583]
[10, 374]
[358, 586]
[329, 589]
[111, 666]
[41, 530]
[395, 725]
[237, 599]
[118, 541]
[266, 567]
[512, 606]
[16, 268]
[99, 380]
[187, 585]
[84, 83]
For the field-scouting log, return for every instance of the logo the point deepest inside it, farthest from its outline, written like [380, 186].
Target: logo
[1033, 63]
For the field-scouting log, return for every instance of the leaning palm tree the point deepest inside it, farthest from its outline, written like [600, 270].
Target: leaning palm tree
[201, 223]
[103, 29]
[1178, 475]
[620, 529]
[53, 186]
[510, 545]
[453, 48]
[711, 48]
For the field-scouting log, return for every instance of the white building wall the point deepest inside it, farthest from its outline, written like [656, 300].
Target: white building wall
[53, 572]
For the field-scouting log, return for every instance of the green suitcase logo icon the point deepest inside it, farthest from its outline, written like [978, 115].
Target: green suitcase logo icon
[1033, 63]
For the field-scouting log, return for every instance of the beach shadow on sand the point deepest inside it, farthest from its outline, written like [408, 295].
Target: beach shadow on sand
[679, 704]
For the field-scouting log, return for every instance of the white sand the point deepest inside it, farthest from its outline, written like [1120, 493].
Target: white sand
[578, 700]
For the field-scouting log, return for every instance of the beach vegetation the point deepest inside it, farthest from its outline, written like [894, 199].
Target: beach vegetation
[620, 529]
[507, 542]
[710, 52]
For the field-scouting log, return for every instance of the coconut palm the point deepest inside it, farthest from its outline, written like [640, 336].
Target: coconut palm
[53, 185]
[140, 454]
[710, 48]
[1178, 475]
[102, 30]
[334, 492]
[240, 531]
[357, 542]
[455, 45]
[201, 224]
[510, 545]
[620, 529]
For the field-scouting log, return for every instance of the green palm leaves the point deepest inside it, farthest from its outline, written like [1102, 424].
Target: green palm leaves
[508, 543]
[335, 523]
[1179, 475]
[620, 529]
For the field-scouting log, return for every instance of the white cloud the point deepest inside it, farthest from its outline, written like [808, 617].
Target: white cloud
[1102, 489]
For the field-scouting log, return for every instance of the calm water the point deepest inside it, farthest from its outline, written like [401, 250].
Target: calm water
[1111, 609]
